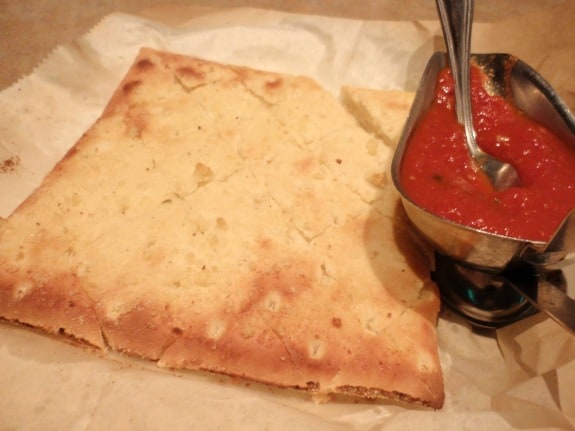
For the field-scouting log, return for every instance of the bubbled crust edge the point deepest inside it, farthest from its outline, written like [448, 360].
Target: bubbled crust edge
[56, 305]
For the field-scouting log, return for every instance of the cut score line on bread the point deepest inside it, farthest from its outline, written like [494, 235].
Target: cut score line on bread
[227, 219]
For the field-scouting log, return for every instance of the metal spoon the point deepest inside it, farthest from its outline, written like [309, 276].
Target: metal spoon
[456, 20]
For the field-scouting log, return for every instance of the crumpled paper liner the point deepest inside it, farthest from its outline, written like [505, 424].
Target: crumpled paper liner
[538, 356]
[520, 377]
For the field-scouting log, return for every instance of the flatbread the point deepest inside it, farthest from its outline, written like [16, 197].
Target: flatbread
[232, 220]
[382, 113]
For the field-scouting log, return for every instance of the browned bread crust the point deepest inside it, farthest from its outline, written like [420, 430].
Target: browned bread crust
[227, 219]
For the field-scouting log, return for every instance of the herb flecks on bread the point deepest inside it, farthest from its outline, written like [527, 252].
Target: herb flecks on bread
[226, 219]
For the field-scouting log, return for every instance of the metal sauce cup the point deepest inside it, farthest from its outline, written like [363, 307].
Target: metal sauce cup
[511, 78]
[485, 251]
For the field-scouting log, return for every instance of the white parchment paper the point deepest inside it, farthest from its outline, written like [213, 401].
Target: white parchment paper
[522, 377]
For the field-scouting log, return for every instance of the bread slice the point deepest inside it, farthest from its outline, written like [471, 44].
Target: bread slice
[232, 220]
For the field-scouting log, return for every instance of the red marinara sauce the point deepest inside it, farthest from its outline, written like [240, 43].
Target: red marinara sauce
[438, 174]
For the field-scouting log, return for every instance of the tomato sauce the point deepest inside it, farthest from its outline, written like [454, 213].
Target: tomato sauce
[438, 174]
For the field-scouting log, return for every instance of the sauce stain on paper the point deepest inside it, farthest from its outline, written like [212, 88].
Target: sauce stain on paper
[9, 165]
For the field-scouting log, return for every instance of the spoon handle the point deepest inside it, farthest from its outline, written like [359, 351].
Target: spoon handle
[456, 19]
